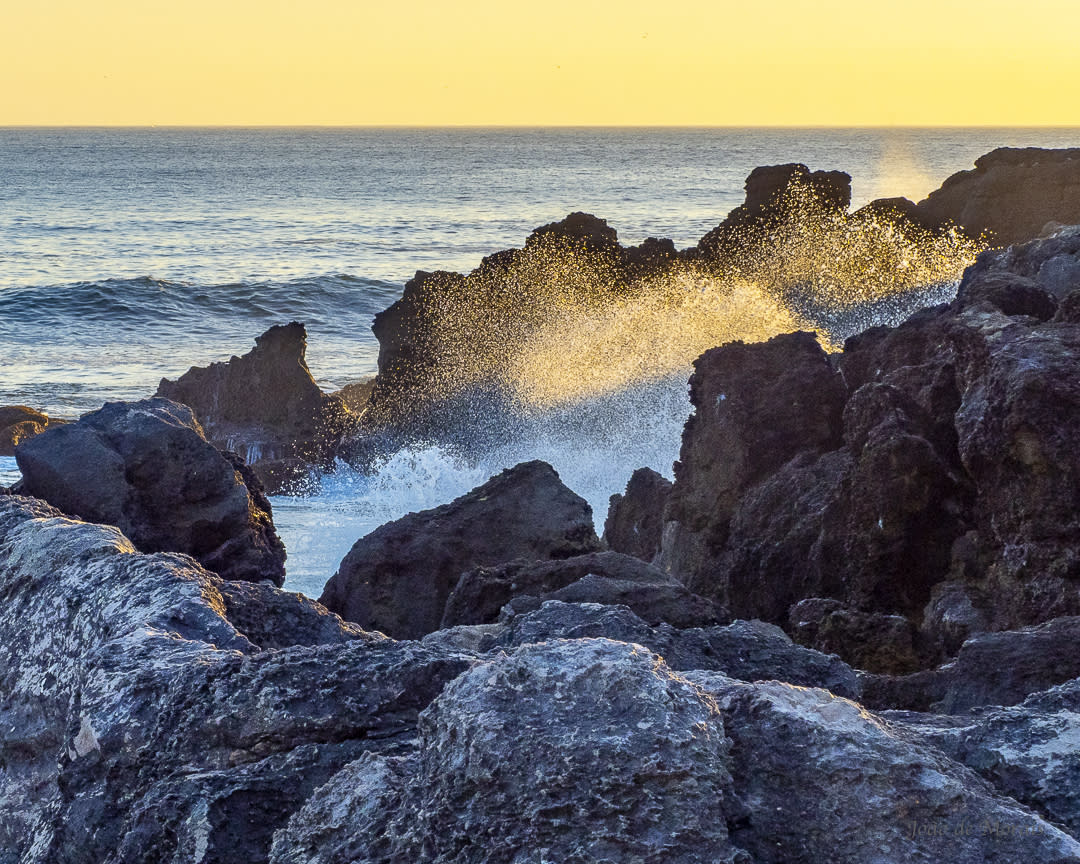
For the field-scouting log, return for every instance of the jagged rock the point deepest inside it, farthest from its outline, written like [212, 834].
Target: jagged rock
[146, 468]
[19, 423]
[599, 577]
[356, 395]
[398, 578]
[747, 650]
[866, 640]
[821, 779]
[1012, 193]
[635, 519]
[1001, 668]
[625, 762]
[1069, 309]
[1028, 752]
[140, 725]
[766, 191]
[1012, 294]
[265, 405]
[756, 407]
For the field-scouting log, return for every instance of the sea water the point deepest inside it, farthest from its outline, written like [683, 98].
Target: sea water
[128, 255]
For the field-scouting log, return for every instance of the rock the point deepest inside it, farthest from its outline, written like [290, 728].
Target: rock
[756, 407]
[265, 405]
[146, 468]
[635, 519]
[747, 650]
[770, 190]
[1001, 668]
[1069, 309]
[599, 577]
[1012, 294]
[1027, 751]
[19, 423]
[865, 791]
[356, 395]
[141, 725]
[626, 762]
[1012, 194]
[1051, 263]
[398, 578]
[867, 640]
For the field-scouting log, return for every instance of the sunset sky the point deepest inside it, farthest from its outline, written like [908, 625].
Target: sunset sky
[575, 62]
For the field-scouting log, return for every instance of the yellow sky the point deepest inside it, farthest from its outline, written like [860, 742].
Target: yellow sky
[576, 62]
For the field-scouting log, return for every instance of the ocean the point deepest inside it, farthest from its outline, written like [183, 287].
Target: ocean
[128, 255]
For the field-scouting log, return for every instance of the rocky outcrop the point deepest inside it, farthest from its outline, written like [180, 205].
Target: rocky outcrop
[266, 406]
[600, 577]
[635, 519]
[141, 725]
[398, 578]
[925, 493]
[147, 468]
[19, 423]
[1012, 193]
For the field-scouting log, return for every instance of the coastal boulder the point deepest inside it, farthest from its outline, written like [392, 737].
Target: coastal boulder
[147, 468]
[1011, 194]
[635, 519]
[599, 577]
[624, 761]
[397, 579]
[265, 405]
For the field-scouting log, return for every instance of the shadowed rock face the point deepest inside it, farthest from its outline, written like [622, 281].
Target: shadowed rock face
[265, 405]
[635, 519]
[146, 468]
[397, 579]
[1012, 193]
[600, 577]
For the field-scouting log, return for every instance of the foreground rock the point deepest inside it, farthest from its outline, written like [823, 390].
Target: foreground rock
[708, 778]
[146, 468]
[1012, 193]
[398, 578]
[19, 423]
[140, 725]
[266, 406]
[600, 577]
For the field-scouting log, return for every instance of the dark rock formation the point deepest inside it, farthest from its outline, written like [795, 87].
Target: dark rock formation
[599, 577]
[146, 468]
[19, 423]
[767, 195]
[397, 579]
[141, 725]
[885, 643]
[1012, 193]
[1051, 263]
[757, 407]
[265, 405]
[1001, 668]
[635, 519]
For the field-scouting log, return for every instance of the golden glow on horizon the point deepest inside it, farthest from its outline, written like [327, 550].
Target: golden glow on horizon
[562, 62]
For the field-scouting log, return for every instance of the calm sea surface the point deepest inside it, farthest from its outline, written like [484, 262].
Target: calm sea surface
[128, 255]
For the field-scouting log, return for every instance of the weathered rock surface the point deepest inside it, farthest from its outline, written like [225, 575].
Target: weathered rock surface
[18, 423]
[1012, 193]
[625, 762]
[869, 791]
[398, 578]
[599, 577]
[266, 406]
[140, 725]
[146, 468]
[747, 650]
[635, 519]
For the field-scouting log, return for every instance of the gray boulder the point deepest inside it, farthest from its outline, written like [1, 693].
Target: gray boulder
[147, 468]
[397, 579]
